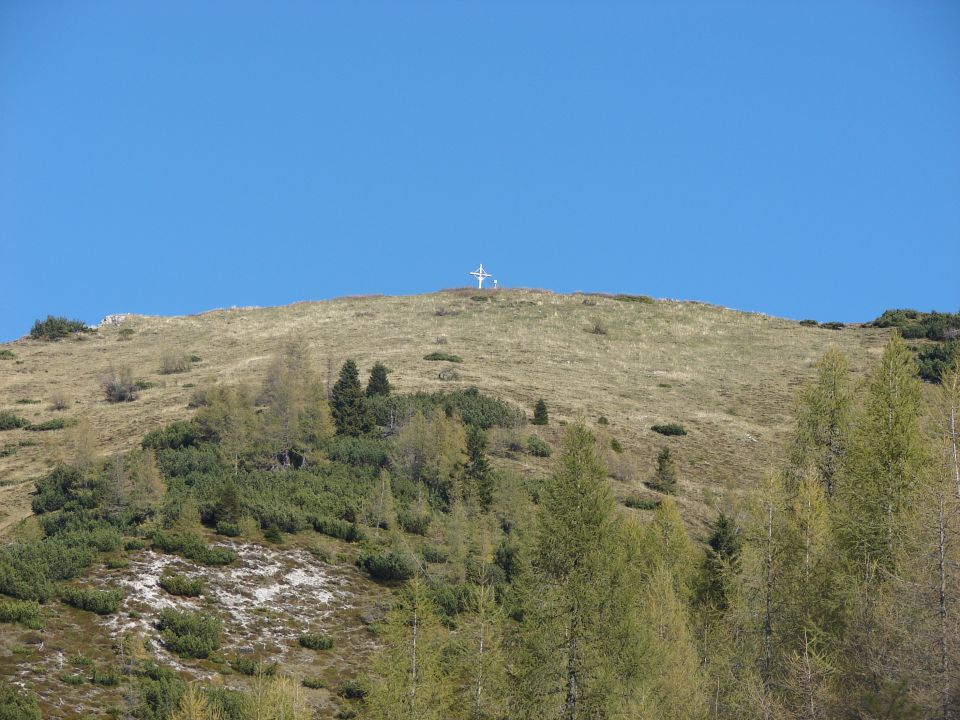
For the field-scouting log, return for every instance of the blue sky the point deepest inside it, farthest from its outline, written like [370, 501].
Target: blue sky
[795, 158]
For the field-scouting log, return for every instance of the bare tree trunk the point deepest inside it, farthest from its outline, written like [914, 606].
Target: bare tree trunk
[571, 708]
[413, 664]
[944, 632]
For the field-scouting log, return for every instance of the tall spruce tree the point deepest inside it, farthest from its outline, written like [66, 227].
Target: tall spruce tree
[478, 470]
[348, 403]
[378, 384]
[575, 655]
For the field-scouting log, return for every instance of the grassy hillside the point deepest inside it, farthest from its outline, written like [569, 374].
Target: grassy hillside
[728, 377]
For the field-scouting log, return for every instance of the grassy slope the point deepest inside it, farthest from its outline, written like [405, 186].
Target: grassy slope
[729, 377]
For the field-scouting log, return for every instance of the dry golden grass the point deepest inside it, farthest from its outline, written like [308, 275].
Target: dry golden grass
[728, 377]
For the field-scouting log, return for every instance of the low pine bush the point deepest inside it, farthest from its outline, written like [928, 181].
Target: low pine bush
[182, 585]
[228, 528]
[189, 634]
[54, 424]
[192, 547]
[353, 690]
[538, 447]
[386, 566]
[101, 602]
[444, 357]
[56, 328]
[106, 675]
[641, 503]
[334, 527]
[9, 421]
[313, 641]
[669, 429]
[314, 683]
[25, 612]
[541, 416]
[415, 523]
[7, 354]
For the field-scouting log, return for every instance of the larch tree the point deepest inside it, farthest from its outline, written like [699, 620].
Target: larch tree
[409, 679]
[886, 464]
[824, 420]
[575, 653]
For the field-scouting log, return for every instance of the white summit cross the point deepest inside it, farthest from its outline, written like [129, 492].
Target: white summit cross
[480, 275]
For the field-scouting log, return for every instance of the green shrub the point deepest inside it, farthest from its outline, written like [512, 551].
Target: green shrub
[174, 436]
[25, 612]
[363, 451]
[17, 705]
[538, 447]
[189, 634]
[642, 299]
[669, 429]
[192, 547]
[228, 528]
[638, 503]
[340, 529]
[602, 420]
[914, 324]
[142, 384]
[353, 690]
[71, 679]
[449, 598]
[54, 424]
[313, 641]
[833, 325]
[433, 554]
[444, 357]
[247, 664]
[809, 323]
[101, 602]
[473, 407]
[413, 522]
[616, 446]
[125, 334]
[27, 401]
[936, 359]
[7, 354]
[314, 683]
[182, 585]
[106, 675]
[386, 566]
[9, 421]
[56, 328]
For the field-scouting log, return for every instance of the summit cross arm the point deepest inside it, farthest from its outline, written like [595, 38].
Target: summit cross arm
[480, 275]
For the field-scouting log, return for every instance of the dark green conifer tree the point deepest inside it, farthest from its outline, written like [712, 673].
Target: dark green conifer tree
[723, 555]
[665, 479]
[478, 468]
[540, 415]
[378, 384]
[348, 404]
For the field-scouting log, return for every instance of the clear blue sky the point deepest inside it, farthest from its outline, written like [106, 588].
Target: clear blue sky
[795, 158]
